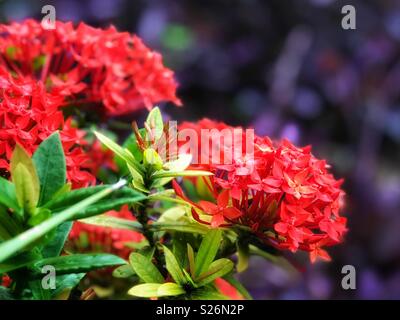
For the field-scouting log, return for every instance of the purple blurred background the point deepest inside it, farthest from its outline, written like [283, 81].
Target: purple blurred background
[288, 69]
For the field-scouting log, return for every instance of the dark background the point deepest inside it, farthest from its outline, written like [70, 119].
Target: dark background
[288, 69]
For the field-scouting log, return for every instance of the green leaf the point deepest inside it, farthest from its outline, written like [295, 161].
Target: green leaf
[124, 271]
[173, 267]
[113, 222]
[190, 254]
[150, 290]
[63, 190]
[145, 269]
[147, 252]
[137, 180]
[136, 184]
[55, 246]
[189, 278]
[25, 179]
[179, 164]
[66, 282]
[4, 234]
[207, 251]
[9, 226]
[217, 269]
[243, 252]
[152, 159]
[78, 263]
[136, 175]
[40, 215]
[112, 202]
[65, 200]
[146, 290]
[187, 173]
[26, 190]
[8, 196]
[38, 292]
[176, 168]
[19, 261]
[123, 153]
[238, 286]
[180, 227]
[172, 214]
[107, 205]
[277, 260]
[50, 164]
[266, 255]
[137, 245]
[155, 123]
[161, 197]
[13, 246]
[179, 248]
[170, 289]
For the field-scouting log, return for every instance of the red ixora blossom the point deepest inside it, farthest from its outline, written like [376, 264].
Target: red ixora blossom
[5, 281]
[284, 194]
[88, 66]
[28, 115]
[86, 237]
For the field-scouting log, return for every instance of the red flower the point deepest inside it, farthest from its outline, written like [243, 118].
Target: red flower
[5, 281]
[28, 115]
[221, 210]
[283, 193]
[88, 66]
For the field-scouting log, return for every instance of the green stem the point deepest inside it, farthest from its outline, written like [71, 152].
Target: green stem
[148, 233]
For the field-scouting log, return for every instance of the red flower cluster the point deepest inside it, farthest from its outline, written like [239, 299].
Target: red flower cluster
[283, 193]
[5, 281]
[85, 237]
[28, 115]
[87, 65]
[80, 66]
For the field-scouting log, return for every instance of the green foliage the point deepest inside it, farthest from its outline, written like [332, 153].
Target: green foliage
[113, 222]
[77, 263]
[124, 271]
[50, 164]
[8, 195]
[149, 290]
[204, 270]
[144, 268]
[109, 202]
[25, 179]
[66, 282]
[54, 247]
[155, 123]
[208, 249]
[39, 197]
[243, 252]
[173, 267]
